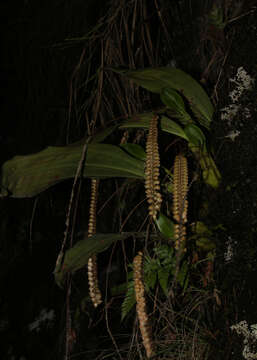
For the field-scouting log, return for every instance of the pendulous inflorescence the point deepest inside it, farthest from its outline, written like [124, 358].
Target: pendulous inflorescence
[152, 172]
[143, 318]
[94, 291]
[180, 203]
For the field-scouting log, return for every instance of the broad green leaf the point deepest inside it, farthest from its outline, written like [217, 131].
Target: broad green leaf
[142, 121]
[135, 150]
[27, 176]
[77, 257]
[165, 226]
[156, 79]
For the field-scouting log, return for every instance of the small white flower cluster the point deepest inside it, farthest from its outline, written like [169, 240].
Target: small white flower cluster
[233, 134]
[250, 338]
[228, 255]
[45, 317]
[242, 82]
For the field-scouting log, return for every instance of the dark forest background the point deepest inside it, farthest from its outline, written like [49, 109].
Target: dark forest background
[44, 62]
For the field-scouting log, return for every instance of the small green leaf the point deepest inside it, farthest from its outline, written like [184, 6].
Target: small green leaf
[135, 150]
[164, 252]
[215, 17]
[202, 229]
[165, 226]
[195, 135]
[182, 275]
[174, 101]
[205, 244]
[210, 172]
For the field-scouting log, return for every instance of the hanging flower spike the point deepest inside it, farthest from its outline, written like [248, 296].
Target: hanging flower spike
[144, 325]
[180, 203]
[94, 291]
[152, 172]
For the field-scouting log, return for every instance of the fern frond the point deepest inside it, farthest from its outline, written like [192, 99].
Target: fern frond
[180, 203]
[129, 300]
[94, 291]
[143, 318]
[152, 172]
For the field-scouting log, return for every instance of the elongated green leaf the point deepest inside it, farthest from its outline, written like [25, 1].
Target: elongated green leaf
[165, 226]
[77, 257]
[27, 176]
[142, 121]
[156, 79]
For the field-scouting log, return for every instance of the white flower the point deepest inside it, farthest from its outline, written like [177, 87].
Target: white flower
[228, 255]
[242, 79]
[233, 134]
[242, 82]
[229, 112]
[250, 338]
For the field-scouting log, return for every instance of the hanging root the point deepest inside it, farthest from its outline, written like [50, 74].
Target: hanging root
[152, 183]
[144, 324]
[94, 291]
[180, 203]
